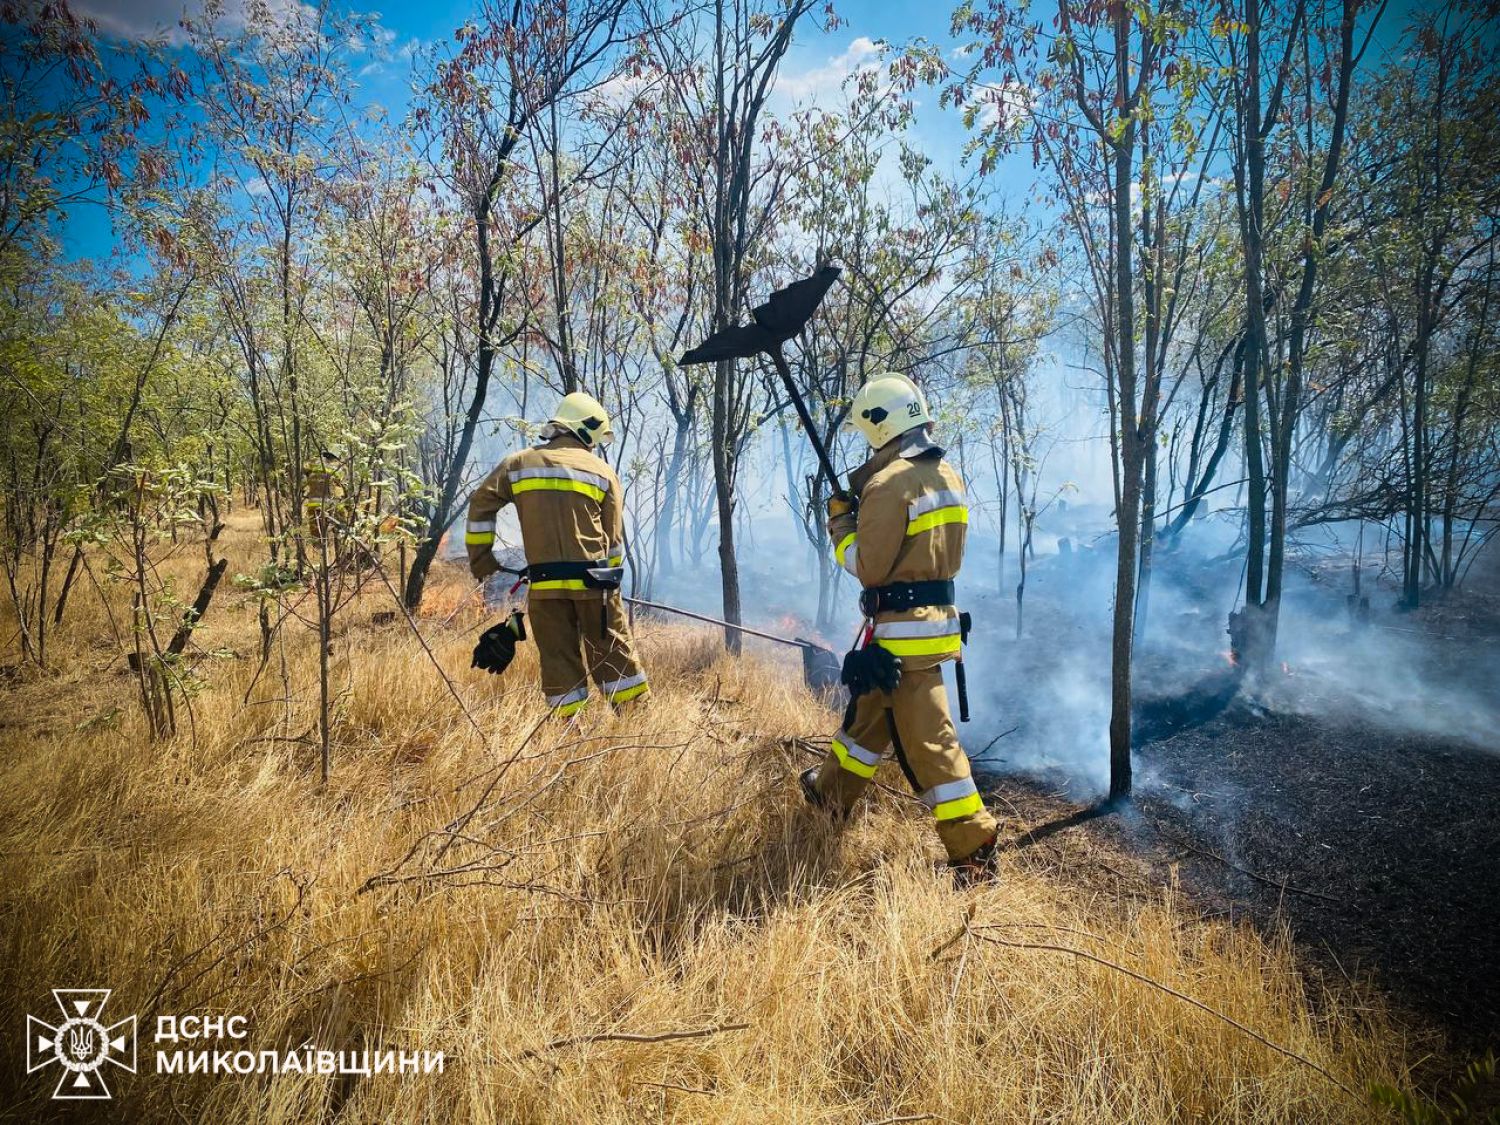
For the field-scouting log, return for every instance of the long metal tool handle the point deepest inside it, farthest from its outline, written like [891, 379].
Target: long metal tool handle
[824, 461]
[696, 617]
[715, 621]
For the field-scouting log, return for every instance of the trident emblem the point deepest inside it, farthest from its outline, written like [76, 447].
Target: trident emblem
[81, 1043]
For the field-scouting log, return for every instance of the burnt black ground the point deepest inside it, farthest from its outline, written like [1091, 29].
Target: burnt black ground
[1379, 851]
[1353, 796]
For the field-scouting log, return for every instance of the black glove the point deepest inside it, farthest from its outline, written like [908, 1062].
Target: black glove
[497, 645]
[842, 504]
[870, 669]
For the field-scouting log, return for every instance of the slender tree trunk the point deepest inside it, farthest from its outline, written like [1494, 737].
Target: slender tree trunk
[1148, 540]
[446, 508]
[724, 459]
[1128, 515]
[325, 626]
[669, 502]
[67, 585]
[721, 423]
[1250, 187]
[1302, 316]
[1003, 490]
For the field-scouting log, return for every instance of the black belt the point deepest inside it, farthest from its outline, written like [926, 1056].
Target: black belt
[594, 575]
[899, 596]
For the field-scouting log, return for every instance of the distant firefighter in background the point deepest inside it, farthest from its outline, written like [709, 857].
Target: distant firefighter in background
[571, 510]
[901, 535]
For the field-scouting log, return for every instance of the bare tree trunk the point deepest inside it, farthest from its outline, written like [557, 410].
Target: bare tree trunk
[67, 585]
[446, 508]
[1001, 488]
[669, 504]
[724, 466]
[1291, 402]
[1128, 515]
[325, 627]
[1251, 219]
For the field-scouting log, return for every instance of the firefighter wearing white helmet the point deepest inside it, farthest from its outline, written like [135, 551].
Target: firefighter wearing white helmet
[901, 535]
[571, 510]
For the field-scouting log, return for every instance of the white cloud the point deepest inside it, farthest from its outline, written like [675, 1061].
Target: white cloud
[620, 90]
[378, 40]
[139, 19]
[1015, 98]
[147, 20]
[816, 83]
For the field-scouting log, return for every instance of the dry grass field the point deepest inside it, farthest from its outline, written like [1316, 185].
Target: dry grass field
[614, 919]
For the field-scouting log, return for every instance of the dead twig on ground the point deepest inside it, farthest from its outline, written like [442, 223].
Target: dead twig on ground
[630, 1037]
[996, 739]
[1280, 885]
[676, 1086]
[1048, 947]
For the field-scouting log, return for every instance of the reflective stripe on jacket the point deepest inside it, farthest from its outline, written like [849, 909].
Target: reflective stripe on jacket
[910, 527]
[570, 507]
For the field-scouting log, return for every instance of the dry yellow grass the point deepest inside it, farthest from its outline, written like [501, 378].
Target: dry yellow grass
[650, 874]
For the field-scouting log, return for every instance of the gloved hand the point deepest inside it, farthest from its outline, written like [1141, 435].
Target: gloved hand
[841, 504]
[870, 669]
[497, 644]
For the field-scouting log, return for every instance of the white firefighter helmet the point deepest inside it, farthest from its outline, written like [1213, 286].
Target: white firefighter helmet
[583, 417]
[888, 406]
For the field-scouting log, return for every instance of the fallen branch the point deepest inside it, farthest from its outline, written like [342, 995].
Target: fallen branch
[996, 739]
[961, 933]
[1170, 991]
[677, 1086]
[628, 1037]
[1267, 880]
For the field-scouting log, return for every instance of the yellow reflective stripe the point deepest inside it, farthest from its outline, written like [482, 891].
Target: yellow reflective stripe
[920, 646]
[629, 693]
[850, 762]
[962, 806]
[937, 518]
[560, 584]
[479, 538]
[616, 560]
[838, 552]
[567, 709]
[554, 484]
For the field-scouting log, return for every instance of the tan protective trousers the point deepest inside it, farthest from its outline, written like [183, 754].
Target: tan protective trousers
[575, 642]
[915, 717]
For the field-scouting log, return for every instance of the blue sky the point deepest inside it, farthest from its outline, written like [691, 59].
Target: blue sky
[815, 65]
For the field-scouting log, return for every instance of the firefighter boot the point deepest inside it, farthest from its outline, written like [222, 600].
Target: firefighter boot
[980, 866]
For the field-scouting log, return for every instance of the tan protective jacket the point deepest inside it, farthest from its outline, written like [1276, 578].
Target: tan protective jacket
[910, 526]
[570, 507]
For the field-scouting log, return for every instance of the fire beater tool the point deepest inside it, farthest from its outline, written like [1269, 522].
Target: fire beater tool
[783, 315]
[820, 667]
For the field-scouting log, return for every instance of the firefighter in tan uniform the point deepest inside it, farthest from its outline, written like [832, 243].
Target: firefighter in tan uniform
[902, 537]
[571, 512]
